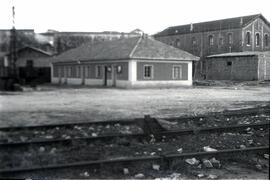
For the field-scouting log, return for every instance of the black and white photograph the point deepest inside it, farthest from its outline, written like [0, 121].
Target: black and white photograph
[134, 89]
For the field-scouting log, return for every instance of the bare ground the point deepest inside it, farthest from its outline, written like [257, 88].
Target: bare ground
[52, 104]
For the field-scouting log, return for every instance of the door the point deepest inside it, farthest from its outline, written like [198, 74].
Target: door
[114, 75]
[105, 75]
[83, 74]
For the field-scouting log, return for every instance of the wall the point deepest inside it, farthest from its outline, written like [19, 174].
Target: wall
[258, 26]
[202, 48]
[85, 73]
[264, 68]
[242, 68]
[162, 71]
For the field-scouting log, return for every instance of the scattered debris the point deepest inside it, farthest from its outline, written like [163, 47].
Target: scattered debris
[207, 163]
[192, 161]
[200, 175]
[209, 149]
[215, 162]
[174, 176]
[180, 150]
[86, 174]
[94, 135]
[23, 139]
[41, 149]
[49, 137]
[259, 167]
[242, 146]
[125, 171]
[156, 167]
[212, 176]
[140, 175]
[53, 150]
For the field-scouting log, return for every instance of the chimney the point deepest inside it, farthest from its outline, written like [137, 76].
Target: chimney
[191, 27]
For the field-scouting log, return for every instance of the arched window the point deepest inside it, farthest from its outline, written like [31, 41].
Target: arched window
[248, 38]
[266, 40]
[211, 40]
[257, 39]
[177, 43]
[230, 40]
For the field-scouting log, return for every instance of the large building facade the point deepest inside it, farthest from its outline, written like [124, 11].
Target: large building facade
[127, 63]
[247, 33]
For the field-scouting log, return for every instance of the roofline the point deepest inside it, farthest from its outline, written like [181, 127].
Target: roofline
[135, 47]
[236, 55]
[256, 16]
[127, 59]
[35, 49]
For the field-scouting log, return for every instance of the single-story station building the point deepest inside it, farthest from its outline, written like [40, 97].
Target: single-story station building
[127, 63]
[245, 66]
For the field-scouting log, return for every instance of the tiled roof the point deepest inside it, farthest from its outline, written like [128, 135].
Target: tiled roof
[123, 49]
[231, 23]
[238, 54]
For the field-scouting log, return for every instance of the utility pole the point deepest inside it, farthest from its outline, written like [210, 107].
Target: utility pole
[12, 50]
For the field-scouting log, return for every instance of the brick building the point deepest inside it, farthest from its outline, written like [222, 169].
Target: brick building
[129, 62]
[250, 65]
[246, 33]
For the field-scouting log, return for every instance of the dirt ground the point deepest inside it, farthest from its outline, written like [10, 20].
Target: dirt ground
[52, 104]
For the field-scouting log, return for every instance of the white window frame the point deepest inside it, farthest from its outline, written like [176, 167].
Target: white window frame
[228, 35]
[256, 40]
[180, 73]
[249, 38]
[152, 71]
[266, 34]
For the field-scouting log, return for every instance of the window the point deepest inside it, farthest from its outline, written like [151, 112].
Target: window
[229, 63]
[266, 40]
[69, 72]
[248, 38]
[257, 39]
[78, 71]
[230, 40]
[194, 42]
[98, 71]
[87, 71]
[221, 41]
[148, 72]
[177, 72]
[211, 40]
[29, 63]
[177, 43]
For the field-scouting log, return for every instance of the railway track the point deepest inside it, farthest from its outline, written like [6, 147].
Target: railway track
[164, 158]
[146, 134]
[104, 138]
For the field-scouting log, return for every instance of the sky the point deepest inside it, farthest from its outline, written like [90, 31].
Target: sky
[151, 16]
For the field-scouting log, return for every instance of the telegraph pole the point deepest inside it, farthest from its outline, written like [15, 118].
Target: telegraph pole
[12, 50]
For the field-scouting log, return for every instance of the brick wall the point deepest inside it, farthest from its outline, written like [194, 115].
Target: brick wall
[241, 68]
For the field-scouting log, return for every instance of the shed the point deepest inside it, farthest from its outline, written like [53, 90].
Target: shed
[32, 64]
[243, 66]
[130, 62]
